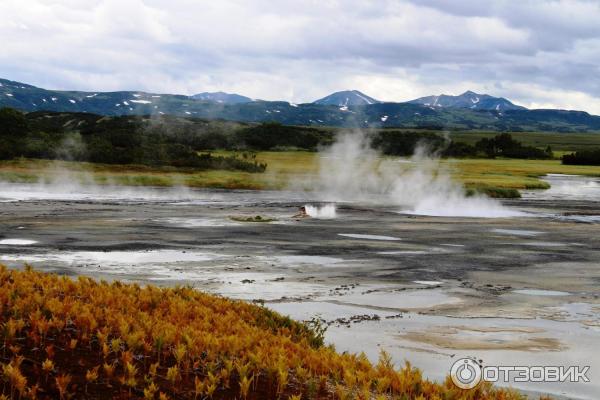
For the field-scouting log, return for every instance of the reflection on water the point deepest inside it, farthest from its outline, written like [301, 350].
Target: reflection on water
[517, 232]
[11, 192]
[433, 342]
[165, 264]
[17, 242]
[567, 187]
[590, 219]
[540, 292]
[368, 237]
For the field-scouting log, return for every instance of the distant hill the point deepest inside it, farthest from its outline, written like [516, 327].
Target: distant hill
[346, 98]
[494, 116]
[222, 97]
[31, 98]
[470, 100]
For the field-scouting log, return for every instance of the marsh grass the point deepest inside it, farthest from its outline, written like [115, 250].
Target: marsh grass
[18, 177]
[290, 169]
[494, 192]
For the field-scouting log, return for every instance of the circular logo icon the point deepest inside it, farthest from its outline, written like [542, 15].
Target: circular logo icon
[466, 373]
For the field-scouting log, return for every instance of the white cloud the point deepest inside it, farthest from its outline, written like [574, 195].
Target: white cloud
[301, 50]
[535, 96]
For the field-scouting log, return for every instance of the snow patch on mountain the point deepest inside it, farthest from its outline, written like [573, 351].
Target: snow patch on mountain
[469, 100]
[347, 98]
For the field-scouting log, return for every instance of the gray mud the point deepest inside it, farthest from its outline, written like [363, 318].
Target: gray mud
[520, 290]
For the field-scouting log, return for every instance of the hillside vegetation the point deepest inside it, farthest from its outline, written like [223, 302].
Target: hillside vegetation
[123, 140]
[177, 141]
[65, 338]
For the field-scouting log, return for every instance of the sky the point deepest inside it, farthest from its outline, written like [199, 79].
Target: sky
[537, 53]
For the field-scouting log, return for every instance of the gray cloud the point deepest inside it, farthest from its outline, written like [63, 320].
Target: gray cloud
[538, 53]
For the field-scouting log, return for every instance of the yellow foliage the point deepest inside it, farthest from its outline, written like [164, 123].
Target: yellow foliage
[62, 383]
[109, 370]
[209, 342]
[179, 352]
[173, 374]
[153, 368]
[245, 386]
[48, 365]
[92, 374]
[150, 391]
[13, 374]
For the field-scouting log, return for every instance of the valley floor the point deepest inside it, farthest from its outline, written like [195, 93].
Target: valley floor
[286, 170]
[520, 288]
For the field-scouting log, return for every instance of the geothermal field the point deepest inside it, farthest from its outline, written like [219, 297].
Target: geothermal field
[392, 255]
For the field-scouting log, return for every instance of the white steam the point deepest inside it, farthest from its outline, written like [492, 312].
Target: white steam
[324, 212]
[351, 171]
[59, 183]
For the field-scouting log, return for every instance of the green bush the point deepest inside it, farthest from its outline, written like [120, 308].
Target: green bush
[504, 145]
[13, 130]
[495, 192]
[584, 157]
[270, 135]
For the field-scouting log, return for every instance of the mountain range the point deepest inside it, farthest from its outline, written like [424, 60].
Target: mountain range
[470, 100]
[222, 97]
[346, 109]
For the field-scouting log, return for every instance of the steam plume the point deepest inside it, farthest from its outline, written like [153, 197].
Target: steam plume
[351, 171]
[326, 211]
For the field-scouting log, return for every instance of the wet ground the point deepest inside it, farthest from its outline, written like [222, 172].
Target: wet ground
[519, 290]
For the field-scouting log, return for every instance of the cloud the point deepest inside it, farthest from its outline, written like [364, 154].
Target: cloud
[302, 50]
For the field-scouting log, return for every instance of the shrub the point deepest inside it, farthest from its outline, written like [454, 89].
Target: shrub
[584, 157]
[271, 135]
[86, 339]
[13, 128]
[504, 145]
[495, 192]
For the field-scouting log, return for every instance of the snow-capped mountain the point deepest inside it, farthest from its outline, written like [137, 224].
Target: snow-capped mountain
[347, 98]
[469, 100]
[222, 97]
[344, 109]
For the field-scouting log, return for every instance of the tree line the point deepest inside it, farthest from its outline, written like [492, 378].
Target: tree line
[584, 157]
[109, 140]
[188, 142]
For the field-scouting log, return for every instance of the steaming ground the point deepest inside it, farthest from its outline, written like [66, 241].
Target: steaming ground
[351, 171]
[428, 289]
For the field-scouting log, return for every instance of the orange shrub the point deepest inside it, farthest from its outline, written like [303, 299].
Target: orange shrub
[87, 339]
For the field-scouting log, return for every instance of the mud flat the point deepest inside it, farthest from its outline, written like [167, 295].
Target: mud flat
[520, 290]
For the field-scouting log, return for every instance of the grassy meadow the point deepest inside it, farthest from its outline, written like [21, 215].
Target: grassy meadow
[285, 169]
